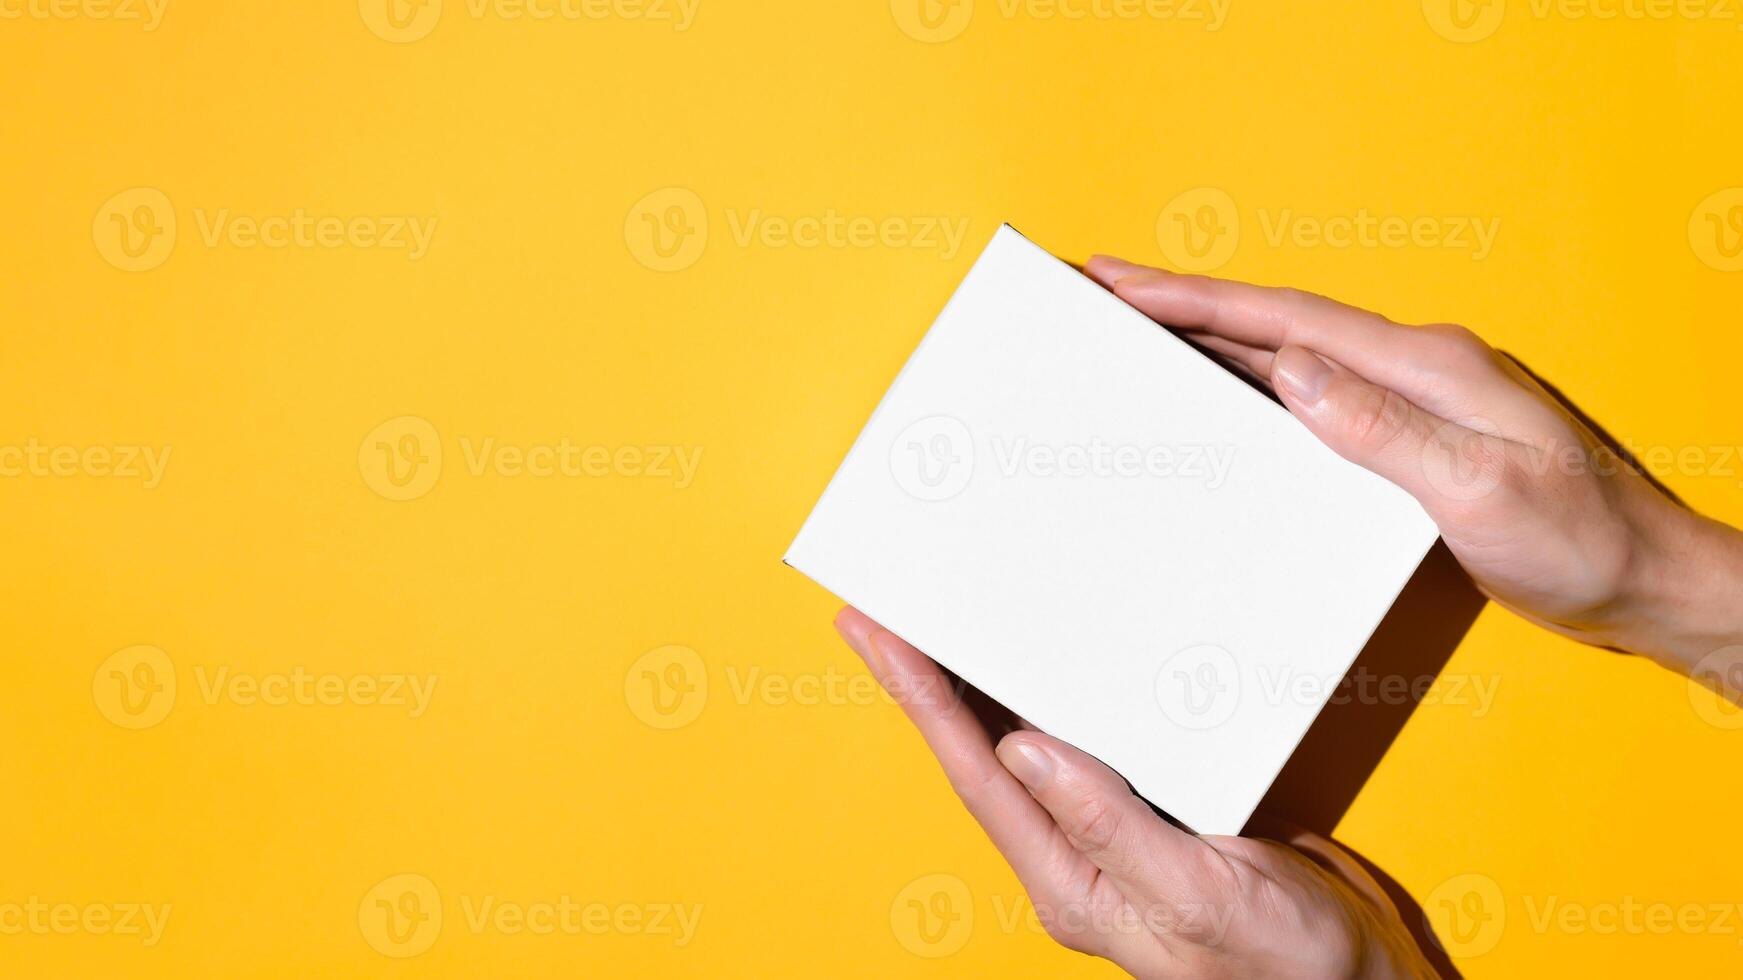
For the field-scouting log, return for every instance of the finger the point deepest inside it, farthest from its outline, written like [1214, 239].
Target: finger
[1022, 831]
[1443, 465]
[1262, 316]
[1109, 269]
[1148, 860]
[1415, 361]
[1273, 318]
[1254, 362]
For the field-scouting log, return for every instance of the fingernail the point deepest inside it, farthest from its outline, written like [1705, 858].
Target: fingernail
[1026, 761]
[1108, 269]
[1302, 374]
[862, 635]
[856, 630]
[877, 656]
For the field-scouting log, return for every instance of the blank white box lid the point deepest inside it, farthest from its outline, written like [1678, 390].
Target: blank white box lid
[1113, 536]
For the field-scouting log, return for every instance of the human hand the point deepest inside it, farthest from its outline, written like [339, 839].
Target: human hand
[1547, 519]
[1108, 877]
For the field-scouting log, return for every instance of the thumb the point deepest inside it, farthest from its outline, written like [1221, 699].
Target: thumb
[1442, 464]
[1145, 857]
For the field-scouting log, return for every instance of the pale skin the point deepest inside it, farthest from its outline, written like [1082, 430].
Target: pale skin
[1545, 520]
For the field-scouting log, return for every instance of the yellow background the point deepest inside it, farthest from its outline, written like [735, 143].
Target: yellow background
[796, 827]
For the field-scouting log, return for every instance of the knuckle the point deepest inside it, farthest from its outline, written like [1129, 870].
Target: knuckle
[1290, 296]
[973, 789]
[1292, 304]
[1380, 418]
[1095, 824]
[1461, 346]
[1454, 332]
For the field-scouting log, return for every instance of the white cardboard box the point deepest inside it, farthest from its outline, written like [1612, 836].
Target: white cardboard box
[1112, 535]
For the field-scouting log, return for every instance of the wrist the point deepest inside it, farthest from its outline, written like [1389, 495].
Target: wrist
[1683, 599]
